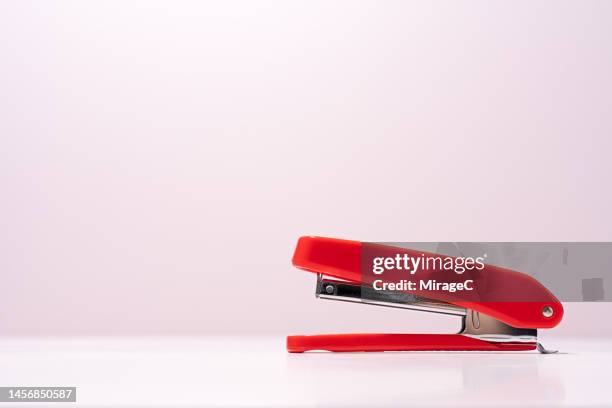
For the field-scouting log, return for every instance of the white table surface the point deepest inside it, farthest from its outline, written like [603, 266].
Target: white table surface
[256, 370]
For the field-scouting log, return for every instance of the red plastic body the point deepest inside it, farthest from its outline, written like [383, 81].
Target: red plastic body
[398, 342]
[511, 297]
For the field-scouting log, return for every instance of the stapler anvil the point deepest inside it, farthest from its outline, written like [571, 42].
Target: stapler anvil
[503, 315]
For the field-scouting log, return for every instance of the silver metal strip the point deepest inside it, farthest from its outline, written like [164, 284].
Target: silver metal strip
[485, 327]
[352, 292]
[417, 306]
[503, 338]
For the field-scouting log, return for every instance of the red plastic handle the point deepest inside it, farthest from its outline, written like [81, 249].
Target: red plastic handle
[509, 296]
[398, 342]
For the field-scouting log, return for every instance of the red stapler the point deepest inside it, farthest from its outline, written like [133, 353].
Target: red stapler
[503, 316]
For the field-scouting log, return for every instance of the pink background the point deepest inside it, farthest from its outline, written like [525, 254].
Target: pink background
[158, 161]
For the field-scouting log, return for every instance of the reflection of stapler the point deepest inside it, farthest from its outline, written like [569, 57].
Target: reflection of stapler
[502, 323]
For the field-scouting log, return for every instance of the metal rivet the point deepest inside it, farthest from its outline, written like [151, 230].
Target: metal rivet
[329, 289]
[547, 311]
[475, 319]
